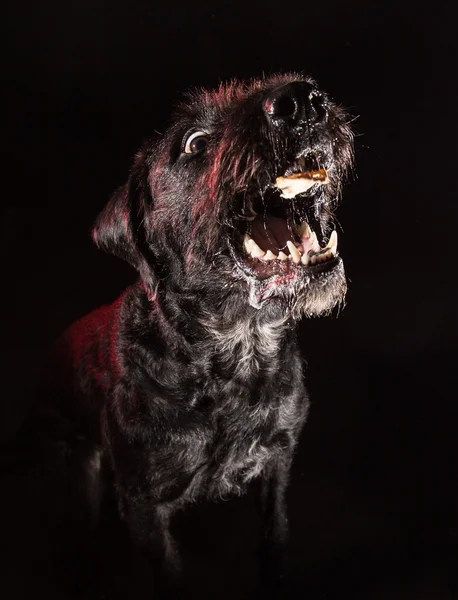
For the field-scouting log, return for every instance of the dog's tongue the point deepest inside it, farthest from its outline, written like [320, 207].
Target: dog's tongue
[270, 233]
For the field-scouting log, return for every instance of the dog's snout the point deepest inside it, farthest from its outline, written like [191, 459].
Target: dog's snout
[294, 104]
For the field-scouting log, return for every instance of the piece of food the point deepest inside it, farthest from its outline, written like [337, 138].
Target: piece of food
[298, 183]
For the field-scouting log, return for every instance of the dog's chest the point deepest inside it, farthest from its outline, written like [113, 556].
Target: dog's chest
[250, 428]
[240, 458]
[245, 347]
[252, 402]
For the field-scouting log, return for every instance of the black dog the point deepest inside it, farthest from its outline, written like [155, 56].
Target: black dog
[190, 384]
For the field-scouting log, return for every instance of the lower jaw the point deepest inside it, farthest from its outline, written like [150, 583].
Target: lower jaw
[302, 291]
[264, 270]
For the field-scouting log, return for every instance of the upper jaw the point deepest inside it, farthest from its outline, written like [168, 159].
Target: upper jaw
[308, 159]
[308, 171]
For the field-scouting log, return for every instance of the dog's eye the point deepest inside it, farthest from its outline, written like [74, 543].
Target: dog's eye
[196, 142]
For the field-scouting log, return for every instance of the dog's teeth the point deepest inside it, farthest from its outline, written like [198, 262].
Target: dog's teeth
[295, 254]
[269, 255]
[314, 241]
[332, 244]
[324, 257]
[314, 259]
[304, 230]
[282, 256]
[333, 240]
[247, 243]
[331, 248]
[256, 251]
[305, 259]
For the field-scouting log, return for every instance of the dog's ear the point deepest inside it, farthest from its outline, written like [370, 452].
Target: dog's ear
[119, 229]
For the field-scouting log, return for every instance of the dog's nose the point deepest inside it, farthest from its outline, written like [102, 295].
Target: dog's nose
[296, 103]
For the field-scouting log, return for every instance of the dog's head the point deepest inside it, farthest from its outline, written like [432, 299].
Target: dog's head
[239, 195]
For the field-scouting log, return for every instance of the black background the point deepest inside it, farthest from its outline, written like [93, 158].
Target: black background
[373, 498]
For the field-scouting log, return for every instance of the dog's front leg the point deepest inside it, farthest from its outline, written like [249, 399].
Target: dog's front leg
[149, 526]
[274, 521]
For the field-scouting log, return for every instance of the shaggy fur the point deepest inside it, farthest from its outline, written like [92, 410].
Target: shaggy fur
[190, 385]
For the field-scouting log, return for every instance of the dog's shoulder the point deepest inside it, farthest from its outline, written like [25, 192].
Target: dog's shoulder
[85, 359]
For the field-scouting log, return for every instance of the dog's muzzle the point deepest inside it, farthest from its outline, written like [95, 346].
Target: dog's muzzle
[283, 228]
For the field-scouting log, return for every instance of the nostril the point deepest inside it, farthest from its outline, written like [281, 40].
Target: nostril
[281, 107]
[317, 101]
[296, 103]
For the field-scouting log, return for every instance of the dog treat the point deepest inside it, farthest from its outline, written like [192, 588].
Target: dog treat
[298, 183]
[320, 175]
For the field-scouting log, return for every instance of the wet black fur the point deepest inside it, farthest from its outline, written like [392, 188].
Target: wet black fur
[186, 388]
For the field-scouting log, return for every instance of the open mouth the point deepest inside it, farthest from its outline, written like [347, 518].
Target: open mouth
[279, 231]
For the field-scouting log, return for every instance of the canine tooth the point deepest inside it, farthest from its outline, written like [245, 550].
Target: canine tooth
[314, 241]
[282, 256]
[256, 251]
[304, 230]
[305, 259]
[269, 255]
[248, 243]
[333, 239]
[295, 254]
[332, 244]
[314, 259]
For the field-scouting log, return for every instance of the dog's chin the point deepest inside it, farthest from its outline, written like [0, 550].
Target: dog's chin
[311, 292]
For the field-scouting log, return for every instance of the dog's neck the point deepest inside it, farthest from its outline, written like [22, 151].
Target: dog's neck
[222, 324]
[247, 342]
